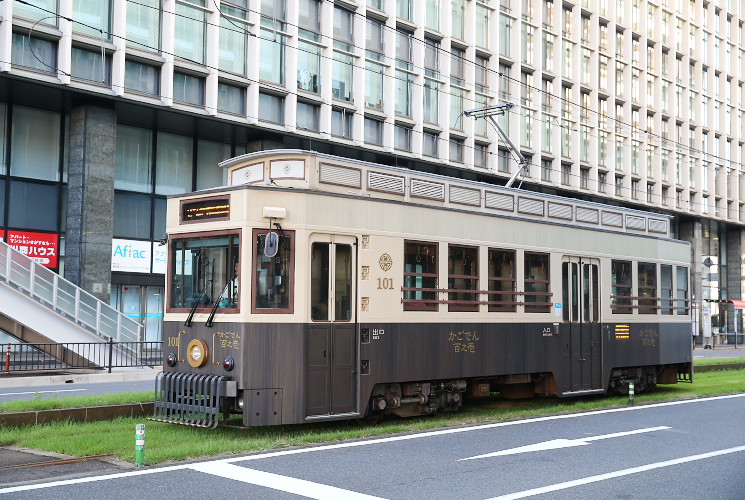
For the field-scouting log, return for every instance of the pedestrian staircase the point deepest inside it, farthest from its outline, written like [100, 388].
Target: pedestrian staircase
[38, 305]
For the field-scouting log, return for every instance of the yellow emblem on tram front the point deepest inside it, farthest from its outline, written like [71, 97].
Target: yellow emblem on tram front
[386, 262]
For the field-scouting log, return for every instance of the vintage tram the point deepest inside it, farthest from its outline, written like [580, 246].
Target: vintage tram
[315, 287]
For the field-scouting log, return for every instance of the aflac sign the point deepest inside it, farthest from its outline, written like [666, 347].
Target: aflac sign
[131, 256]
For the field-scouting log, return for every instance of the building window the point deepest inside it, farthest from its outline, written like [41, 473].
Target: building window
[420, 276]
[429, 144]
[95, 17]
[141, 77]
[25, 48]
[635, 189]
[188, 89]
[138, 210]
[33, 206]
[373, 131]
[502, 281]
[482, 26]
[308, 66]
[88, 65]
[209, 154]
[231, 99]
[402, 137]
[36, 10]
[463, 275]
[35, 144]
[374, 85]
[619, 185]
[307, 116]
[233, 39]
[134, 155]
[505, 32]
[458, 13]
[537, 283]
[432, 14]
[174, 164]
[602, 181]
[566, 174]
[456, 150]
[341, 122]
[341, 81]
[621, 287]
[584, 178]
[404, 9]
[143, 24]
[546, 170]
[271, 108]
[343, 29]
[190, 30]
[272, 58]
[480, 155]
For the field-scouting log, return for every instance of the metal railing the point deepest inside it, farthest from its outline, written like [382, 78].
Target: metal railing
[56, 293]
[79, 355]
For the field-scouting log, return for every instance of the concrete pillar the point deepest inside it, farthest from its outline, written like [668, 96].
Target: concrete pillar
[90, 206]
[690, 231]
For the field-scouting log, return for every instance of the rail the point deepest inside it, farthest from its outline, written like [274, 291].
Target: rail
[64, 297]
[23, 357]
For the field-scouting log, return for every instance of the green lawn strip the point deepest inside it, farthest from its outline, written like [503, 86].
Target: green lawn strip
[717, 361]
[168, 442]
[44, 402]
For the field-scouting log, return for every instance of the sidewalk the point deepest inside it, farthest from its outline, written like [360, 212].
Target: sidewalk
[116, 375]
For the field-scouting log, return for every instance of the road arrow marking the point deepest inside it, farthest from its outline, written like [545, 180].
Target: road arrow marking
[556, 444]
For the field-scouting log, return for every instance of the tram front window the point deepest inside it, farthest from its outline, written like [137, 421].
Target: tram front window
[204, 271]
[273, 273]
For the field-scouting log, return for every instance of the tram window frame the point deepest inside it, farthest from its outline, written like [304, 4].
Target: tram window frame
[498, 284]
[258, 253]
[682, 303]
[621, 302]
[531, 285]
[647, 287]
[428, 296]
[230, 304]
[462, 298]
[666, 289]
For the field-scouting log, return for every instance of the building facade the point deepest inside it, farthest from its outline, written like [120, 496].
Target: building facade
[108, 106]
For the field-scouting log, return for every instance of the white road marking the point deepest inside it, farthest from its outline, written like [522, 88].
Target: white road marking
[39, 392]
[612, 475]
[556, 444]
[278, 482]
[355, 444]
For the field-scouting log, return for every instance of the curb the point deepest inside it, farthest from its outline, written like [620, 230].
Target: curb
[719, 367]
[88, 414]
[8, 381]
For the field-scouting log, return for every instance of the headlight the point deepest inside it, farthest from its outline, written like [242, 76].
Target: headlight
[197, 353]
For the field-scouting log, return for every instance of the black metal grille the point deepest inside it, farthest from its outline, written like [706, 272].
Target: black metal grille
[189, 399]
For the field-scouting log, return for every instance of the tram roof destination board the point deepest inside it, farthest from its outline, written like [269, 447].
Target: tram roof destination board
[205, 209]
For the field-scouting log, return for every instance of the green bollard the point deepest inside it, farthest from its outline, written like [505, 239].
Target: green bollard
[631, 393]
[140, 445]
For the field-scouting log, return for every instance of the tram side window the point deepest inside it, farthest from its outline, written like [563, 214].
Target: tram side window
[621, 287]
[666, 289]
[682, 290]
[273, 275]
[647, 288]
[502, 281]
[537, 283]
[420, 276]
[204, 271]
[463, 277]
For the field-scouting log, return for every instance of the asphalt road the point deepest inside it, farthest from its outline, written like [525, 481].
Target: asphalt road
[679, 450]
[77, 389]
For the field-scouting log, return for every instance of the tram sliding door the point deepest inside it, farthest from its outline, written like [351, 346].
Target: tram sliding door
[331, 353]
[581, 309]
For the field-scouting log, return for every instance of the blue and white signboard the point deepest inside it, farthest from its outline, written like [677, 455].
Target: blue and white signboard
[131, 256]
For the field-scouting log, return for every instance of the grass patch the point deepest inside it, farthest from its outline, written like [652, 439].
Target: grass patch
[717, 361]
[43, 402]
[167, 442]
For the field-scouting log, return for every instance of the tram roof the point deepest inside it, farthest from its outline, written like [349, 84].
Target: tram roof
[324, 172]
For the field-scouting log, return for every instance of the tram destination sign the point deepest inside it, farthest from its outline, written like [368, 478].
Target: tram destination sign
[205, 209]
